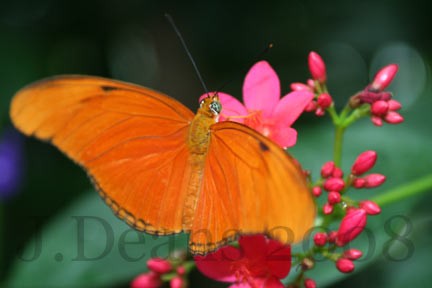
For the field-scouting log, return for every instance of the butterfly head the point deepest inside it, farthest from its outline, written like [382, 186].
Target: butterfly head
[211, 105]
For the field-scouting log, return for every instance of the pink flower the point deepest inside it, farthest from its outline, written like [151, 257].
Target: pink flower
[258, 262]
[264, 110]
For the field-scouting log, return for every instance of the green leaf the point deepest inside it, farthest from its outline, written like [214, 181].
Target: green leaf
[87, 246]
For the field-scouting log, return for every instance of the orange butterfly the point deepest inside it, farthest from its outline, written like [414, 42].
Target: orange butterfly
[163, 169]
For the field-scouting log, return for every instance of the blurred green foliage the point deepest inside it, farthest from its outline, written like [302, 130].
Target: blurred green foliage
[131, 40]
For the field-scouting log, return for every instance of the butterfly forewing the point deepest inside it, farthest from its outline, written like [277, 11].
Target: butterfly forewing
[130, 139]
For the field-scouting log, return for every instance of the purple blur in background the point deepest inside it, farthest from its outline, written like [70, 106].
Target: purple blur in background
[11, 162]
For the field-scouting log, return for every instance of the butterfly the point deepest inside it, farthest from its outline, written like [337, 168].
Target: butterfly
[163, 169]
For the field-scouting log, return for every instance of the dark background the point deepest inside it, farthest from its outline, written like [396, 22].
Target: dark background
[132, 41]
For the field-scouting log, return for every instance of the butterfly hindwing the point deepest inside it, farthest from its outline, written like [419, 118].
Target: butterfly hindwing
[262, 190]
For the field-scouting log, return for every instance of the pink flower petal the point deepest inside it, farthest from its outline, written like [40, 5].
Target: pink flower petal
[278, 258]
[291, 106]
[261, 89]
[253, 246]
[254, 252]
[271, 282]
[240, 285]
[219, 265]
[284, 136]
[231, 107]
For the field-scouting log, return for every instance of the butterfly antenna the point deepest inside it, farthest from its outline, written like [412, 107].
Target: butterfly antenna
[171, 21]
[259, 56]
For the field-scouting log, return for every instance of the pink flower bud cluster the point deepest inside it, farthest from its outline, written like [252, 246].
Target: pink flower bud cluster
[153, 279]
[383, 107]
[333, 184]
[355, 213]
[321, 101]
[345, 263]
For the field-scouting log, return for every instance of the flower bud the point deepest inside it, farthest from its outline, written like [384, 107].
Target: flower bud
[309, 283]
[359, 183]
[319, 112]
[380, 107]
[370, 207]
[351, 226]
[316, 191]
[317, 67]
[181, 270]
[148, 280]
[311, 106]
[334, 184]
[327, 208]
[393, 118]
[324, 100]
[374, 180]
[333, 197]
[307, 264]
[159, 265]
[386, 96]
[344, 265]
[177, 282]
[320, 239]
[327, 169]
[337, 173]
[364, 162]
[384, 77]
[297, 86]
[311, 83]
[352, 254]
[377, 121]
[332, 236]
[394, 105]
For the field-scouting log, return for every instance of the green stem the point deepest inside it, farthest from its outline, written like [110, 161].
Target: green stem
[345, 112]
[355, 115]
[333, 114]
[337, 152]
[418, 186]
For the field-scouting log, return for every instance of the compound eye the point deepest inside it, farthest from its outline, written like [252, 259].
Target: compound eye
[215, 107]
